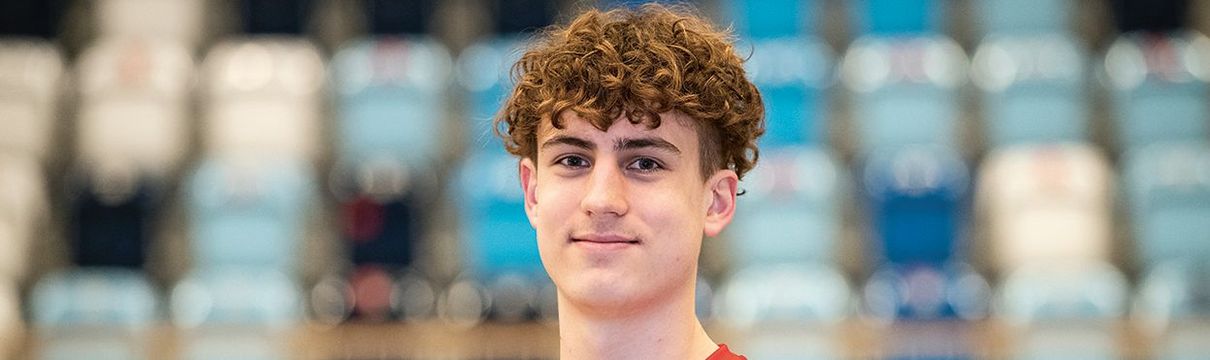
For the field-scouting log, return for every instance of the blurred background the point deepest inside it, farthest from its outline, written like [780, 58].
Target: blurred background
[266, 179]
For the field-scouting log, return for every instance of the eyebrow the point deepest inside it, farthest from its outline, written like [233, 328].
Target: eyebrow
[622, 144]
[640, 143]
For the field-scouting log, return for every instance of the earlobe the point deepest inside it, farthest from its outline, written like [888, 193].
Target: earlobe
[721, 189]
[529, 184]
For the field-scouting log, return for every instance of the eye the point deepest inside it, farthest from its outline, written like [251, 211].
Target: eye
[572, 161]
[645, 165]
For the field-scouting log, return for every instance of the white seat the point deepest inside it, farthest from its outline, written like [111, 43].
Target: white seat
[263, 98]
[1047, 204]
[134, 107]
[178, 21]
[1048, 210]
[22, 204]
[30, 73]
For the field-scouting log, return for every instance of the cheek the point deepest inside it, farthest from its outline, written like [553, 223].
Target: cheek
[676, 220]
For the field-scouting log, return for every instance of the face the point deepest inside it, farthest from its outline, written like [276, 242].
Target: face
[620, 214]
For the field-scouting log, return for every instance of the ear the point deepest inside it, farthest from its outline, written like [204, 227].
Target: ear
[720, 201]
[529, 184]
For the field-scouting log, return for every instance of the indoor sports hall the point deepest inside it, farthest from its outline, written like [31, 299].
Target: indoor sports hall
[319, 179]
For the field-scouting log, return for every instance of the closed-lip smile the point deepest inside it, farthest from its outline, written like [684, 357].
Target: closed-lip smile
[604, 239]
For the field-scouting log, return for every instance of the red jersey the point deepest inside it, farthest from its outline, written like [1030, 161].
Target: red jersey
[725, 354]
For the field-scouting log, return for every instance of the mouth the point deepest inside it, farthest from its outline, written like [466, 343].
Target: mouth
[604, 240]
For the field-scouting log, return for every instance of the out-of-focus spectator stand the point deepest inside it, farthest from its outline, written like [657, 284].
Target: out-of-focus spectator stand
[784, 287]
[501, 279]
[391, 88]
[1157, 184]
[904, 72]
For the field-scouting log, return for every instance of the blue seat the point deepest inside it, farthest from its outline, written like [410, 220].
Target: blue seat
[1169, 196]
[483, 71]
[792, 74]
[917, 201]
[1024, 17]
[248, 214]
[94, 297]
[1159, 88]
[1033, 88]
[1064, 312]
[391, 101]
[784, 239]
[95, 313]
[897, 17]
[904, 91]
[236, 312]
[30, 72]
[754, 19]
[1168, 192]
[500, 243]
[791, 211]
[237, 296]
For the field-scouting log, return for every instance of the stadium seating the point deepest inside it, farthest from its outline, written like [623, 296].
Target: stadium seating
[787, 226]
[1048, 212]
[132, 125]
[783, 243]
[917, 201]
[904, 91]
[1159, 85]
[391, 128]
[96, 313]
[251, 197]
[1032, 71]
[134, 108]
[792, 74]
[262, 97]
[489, 197]
[1169, 194]
[1033, 88]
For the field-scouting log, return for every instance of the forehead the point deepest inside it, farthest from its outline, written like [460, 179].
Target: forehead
[675, 127]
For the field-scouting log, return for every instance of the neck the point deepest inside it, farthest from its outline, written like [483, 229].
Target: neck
[668, 330]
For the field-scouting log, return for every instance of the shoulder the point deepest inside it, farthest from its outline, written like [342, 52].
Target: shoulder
[723, 353]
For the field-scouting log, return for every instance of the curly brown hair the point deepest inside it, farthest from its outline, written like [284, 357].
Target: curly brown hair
[639, 63]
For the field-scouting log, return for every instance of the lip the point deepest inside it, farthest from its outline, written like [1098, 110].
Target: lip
[604, 241]
[604, 238]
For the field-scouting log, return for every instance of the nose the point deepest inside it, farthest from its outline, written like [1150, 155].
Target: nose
[606, 193]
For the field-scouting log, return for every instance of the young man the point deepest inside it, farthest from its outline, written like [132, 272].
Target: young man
[634, 127]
